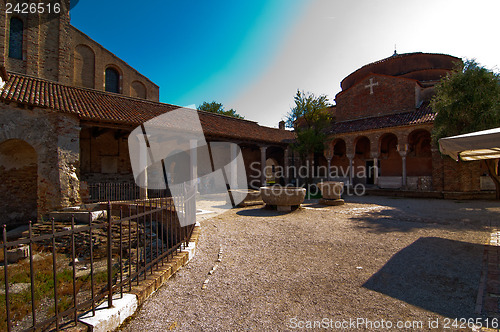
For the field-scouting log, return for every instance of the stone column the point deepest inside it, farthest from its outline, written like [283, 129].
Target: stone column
[402, 153]
[351, 158]
[263, 165]
[193, 158]
[234, 166]
[328, 156]
[143, 182]
[329, 164]
[375, 168]
[286, 164]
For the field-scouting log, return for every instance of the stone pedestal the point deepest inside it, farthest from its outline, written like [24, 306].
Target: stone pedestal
[284, 198]
[332, 192]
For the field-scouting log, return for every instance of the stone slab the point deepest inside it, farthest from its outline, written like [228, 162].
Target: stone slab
[108, 319]
[331, 202]
[80, 216]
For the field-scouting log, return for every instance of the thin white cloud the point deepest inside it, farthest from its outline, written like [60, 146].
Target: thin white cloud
[334, 38]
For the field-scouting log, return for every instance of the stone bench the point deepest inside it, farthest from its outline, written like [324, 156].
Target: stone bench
[390, 182]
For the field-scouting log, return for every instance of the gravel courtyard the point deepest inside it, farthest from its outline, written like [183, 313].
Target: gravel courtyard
[411, 261]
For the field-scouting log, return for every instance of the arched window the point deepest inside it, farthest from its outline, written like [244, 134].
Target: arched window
[112, 80]
[16, 38]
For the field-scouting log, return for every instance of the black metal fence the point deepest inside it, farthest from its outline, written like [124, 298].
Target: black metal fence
[73, 267]
[104, 191]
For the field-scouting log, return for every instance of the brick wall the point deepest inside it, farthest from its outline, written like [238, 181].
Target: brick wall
[55, 50]
[45, 43]
[455, 176]
[390, 95]
[96, 59]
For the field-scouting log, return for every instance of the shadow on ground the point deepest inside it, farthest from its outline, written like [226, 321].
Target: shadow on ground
[260, 212]
[436, 274]
[406, 214]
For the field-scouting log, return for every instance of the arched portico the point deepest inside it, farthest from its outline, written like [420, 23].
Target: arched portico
[18, 182]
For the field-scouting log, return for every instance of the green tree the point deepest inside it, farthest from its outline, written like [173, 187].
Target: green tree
[468, 100]
[218, 108]
[310, 117]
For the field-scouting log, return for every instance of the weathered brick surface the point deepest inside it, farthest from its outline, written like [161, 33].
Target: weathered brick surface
[132, 83]
[390, 95]
[54, 137]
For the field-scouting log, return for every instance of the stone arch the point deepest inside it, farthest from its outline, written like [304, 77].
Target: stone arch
[362, 147]
[390, 159]
[419, 157]
[340, 163]
[18, 182]
[138, 90]
[362, 153]
[271, 168]
[84, 66]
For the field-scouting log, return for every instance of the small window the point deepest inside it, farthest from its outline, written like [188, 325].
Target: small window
[16, 38]
[112, 80]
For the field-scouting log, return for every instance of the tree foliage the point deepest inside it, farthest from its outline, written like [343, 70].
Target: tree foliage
[215, 107]
[309, 118]
[468, 100]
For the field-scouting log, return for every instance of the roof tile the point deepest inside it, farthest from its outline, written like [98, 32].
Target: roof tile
[424, 114]
[93, 105]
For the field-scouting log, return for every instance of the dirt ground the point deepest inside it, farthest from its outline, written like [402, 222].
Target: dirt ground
[375, 262]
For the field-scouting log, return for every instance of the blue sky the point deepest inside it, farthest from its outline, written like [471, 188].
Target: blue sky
[253, 55]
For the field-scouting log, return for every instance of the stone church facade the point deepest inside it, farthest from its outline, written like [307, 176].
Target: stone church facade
[67, 106]
[383, 118]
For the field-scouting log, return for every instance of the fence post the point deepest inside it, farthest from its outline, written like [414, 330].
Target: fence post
[110, 265]
[6, 276]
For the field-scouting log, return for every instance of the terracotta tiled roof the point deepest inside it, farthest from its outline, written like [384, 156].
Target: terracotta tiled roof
[422, 115]
[93, 105]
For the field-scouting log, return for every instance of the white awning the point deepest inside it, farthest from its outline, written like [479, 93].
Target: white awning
[473, 146]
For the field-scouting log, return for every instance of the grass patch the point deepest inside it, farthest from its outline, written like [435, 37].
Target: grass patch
[21, 302]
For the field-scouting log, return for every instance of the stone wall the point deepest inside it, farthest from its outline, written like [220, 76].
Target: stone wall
[54, 137]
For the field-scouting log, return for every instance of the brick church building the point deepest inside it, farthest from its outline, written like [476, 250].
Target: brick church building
[382, 118]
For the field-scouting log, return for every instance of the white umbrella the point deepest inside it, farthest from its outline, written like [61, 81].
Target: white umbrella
[479, 145]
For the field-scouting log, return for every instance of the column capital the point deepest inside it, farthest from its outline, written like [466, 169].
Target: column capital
[403, 153]
[350, 156]
[375, 155]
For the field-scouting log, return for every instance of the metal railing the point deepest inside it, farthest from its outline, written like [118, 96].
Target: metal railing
[139, 236]
[112, 191]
